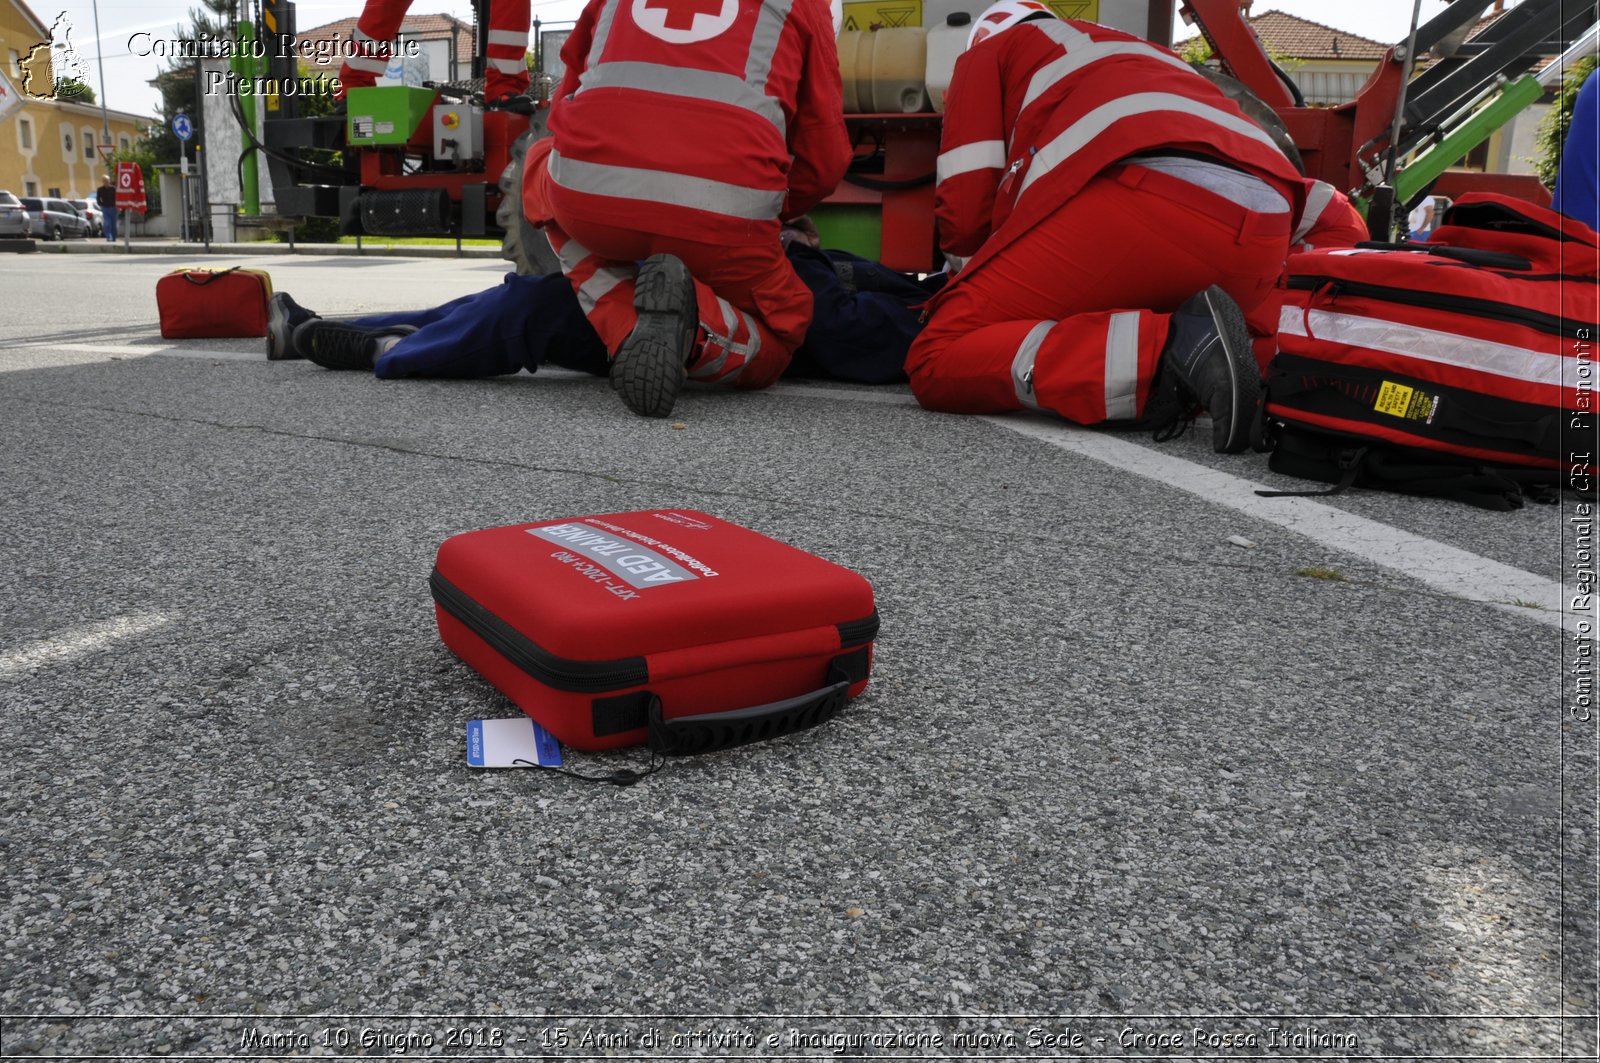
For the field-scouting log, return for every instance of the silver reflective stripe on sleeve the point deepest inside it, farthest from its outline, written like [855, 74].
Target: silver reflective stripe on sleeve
[1022, 364]
[668, 189]
[507, 66]
[371, 66]
[676, 81]
[1317, 201]
[980, 155]
[1427, 345]
[1078, 58]
[1122, 367]
[509, 38]
[1070, 140]
[360, 36]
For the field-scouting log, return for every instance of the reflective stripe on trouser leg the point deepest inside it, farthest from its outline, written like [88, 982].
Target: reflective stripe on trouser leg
[506, 66]
[604, 288]
[1022, 364]
[732, 339]
[1097, 367]
[1088, 368]
[1122, 367]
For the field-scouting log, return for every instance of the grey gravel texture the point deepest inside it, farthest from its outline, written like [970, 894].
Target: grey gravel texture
[1115, 778]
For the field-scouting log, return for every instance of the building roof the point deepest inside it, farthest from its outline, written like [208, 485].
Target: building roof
[27, 13]
[1294, 37]
[1300, 38]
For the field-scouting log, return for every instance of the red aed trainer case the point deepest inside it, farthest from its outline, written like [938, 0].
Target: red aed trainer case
[212, 303]
[672, 628]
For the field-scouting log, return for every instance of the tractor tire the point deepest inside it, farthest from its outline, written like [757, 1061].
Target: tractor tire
[523, 244]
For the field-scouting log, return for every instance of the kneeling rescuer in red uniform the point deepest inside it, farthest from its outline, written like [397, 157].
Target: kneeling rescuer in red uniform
[1120, 212]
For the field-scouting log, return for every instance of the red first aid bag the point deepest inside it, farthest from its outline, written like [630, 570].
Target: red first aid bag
[671, 628]
[1474, 350]
[196, 303]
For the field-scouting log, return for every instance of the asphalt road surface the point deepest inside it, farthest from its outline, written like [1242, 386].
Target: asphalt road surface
[1149, 765]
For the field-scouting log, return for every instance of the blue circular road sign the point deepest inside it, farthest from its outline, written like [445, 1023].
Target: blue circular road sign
[183, 127]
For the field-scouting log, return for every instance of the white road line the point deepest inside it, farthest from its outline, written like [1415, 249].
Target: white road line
[1445, 568]
[140, 352]
[78, 642]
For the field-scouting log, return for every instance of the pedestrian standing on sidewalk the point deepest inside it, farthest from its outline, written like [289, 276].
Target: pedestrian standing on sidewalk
[106, 197]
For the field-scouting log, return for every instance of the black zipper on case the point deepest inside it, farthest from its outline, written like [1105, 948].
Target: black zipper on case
[558, 673]
[858, 632]
[1549, 324]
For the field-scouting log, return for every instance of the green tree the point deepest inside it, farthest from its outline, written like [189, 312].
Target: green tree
[73, 91]
[179, 93]
[1553, 130]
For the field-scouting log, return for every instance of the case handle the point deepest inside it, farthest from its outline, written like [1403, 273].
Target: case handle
[208, 275]
[685, 736]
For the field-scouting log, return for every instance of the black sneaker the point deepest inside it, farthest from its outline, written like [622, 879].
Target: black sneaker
[338, 345]
[284, 315]
[651, 364]
[1210, 361]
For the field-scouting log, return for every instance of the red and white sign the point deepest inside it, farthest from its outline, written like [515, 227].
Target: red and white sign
[130, 187]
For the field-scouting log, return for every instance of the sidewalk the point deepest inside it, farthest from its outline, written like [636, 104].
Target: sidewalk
[156, 245]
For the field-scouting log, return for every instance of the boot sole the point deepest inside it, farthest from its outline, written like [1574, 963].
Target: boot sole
[1244, 376]
[651, 365]
[279, 336]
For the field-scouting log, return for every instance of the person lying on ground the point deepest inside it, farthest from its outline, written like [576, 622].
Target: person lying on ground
[863, 322]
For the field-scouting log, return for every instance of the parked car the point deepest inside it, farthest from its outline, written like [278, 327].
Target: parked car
[14, 217]
[91, 210]
[55, 219]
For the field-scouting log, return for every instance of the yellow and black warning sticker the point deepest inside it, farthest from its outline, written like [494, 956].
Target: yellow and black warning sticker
[885, 14]
[1087, 10]
[1406, 403]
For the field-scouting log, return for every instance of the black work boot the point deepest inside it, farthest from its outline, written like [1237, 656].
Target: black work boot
[651, 364]
[1209, 360]
[284, 315]
[339, 345]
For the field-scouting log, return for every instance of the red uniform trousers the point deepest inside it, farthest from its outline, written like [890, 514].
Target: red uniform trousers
[754, 310]
[1071, 316]
[506, 67]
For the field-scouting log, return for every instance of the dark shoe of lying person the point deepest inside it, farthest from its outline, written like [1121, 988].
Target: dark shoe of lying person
[1209, 357]
[650, 366]
[336, 345]
[284, 315]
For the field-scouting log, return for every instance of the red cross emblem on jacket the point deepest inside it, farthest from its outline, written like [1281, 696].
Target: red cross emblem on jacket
[681, 21]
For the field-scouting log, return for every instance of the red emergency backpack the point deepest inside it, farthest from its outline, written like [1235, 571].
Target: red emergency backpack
[1462, 367]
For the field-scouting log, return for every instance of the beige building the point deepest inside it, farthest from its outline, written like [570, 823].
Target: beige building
[48, 147]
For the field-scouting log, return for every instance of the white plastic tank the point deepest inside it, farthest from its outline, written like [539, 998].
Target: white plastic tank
[945, 45]
[938, 12]
[883, 70]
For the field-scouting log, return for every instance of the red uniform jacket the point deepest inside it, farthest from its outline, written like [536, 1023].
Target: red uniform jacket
[1034, 113]
[701, 119]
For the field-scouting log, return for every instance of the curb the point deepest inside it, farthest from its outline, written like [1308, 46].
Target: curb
[96, 246]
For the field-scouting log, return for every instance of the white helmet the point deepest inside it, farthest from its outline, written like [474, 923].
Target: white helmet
[1004, 15]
